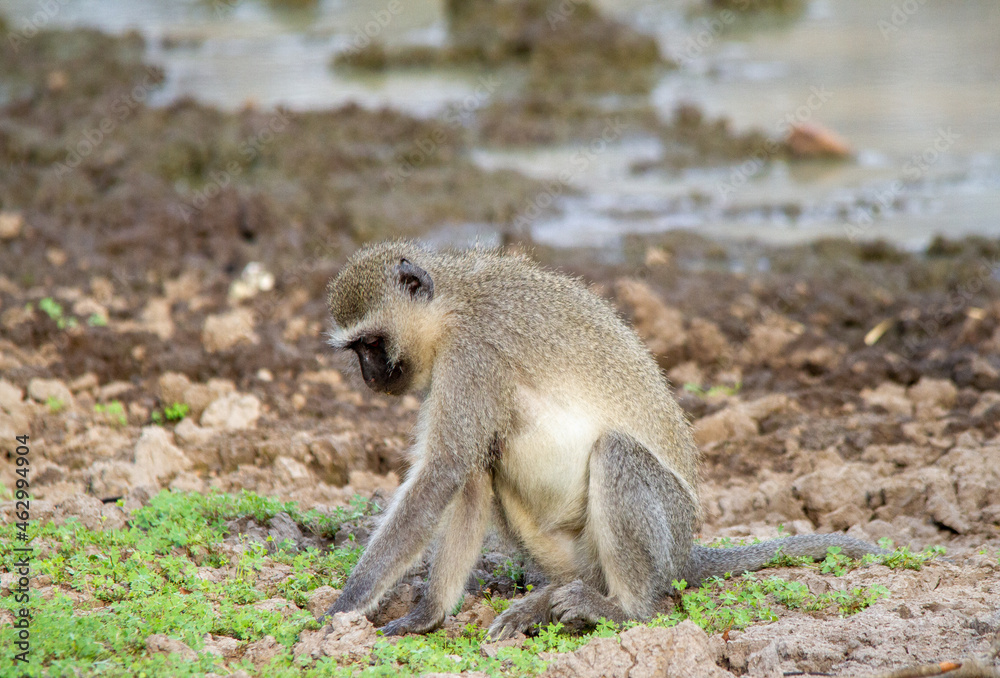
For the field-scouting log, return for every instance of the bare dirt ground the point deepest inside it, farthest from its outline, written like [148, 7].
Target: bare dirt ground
[837, 386]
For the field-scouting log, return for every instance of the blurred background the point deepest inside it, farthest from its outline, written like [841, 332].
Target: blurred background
[782, 120]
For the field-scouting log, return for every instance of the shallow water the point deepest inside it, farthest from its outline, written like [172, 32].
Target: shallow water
[893, 78]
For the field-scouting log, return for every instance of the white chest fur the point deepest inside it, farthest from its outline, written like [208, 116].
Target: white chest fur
[544, 465]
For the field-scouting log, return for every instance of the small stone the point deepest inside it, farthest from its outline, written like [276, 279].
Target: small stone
[198, 397]
[50, 391]
[932, 397]
[56, 257]
[11, 397]
[114, 390]
[86, 382]
[10, 225]
[831, 487]
[889, 396]
[109, 479]
[287, 470]
[254, 279]
[156, 318]
[91, 311]
[190, 434]
[731, 423]
[160, 643]
[157, 458]
[232, 412]
[706, 344]
[221, 646]
[686, 373]
[320, 600]
[222, 332]
[172, 387]
[263, 651]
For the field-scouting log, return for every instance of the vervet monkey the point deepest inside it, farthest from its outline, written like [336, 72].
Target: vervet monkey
[544, 411]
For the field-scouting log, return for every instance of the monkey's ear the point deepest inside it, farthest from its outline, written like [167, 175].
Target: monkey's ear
[415, 280]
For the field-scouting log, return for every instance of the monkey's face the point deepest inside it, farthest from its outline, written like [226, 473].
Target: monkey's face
[381, 304]
[379, 372]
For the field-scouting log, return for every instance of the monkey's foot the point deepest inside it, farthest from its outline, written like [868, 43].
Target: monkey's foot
[522, 614]
[418, 621]
[579, 606]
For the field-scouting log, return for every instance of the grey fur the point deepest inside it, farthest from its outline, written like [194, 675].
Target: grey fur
[545, 409]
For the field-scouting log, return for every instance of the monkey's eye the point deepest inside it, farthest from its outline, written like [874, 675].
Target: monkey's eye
[372, 342]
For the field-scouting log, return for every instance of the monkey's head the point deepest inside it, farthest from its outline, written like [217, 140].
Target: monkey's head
[383, 304]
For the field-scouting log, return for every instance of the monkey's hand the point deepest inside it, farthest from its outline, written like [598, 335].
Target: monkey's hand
[420, 620]
[532, 610]
[578, 606]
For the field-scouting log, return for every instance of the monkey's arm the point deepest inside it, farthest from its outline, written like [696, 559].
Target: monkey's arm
[401, 537]
[455, 553]
[707, 562]
[452, 448]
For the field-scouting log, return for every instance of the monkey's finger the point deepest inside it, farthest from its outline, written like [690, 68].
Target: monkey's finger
[501, 632]
[397, 627]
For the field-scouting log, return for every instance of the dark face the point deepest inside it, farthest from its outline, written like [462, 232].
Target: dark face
[379, 374]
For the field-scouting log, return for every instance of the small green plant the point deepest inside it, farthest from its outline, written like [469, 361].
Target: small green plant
[176, 412]
[903, 558]
[96, 320]
[115, 410]
[697, 390]
[497, 604]
[835, 563]
[54, 310]
[514, 571]
[54, 404]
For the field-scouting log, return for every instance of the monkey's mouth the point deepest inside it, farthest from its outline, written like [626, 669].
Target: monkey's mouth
[379, 374]
[391, 381]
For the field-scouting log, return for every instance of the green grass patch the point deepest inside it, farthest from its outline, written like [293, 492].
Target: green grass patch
[161, 574]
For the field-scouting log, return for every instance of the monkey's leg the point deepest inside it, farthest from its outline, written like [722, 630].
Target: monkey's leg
[455, 553]
[552, 550]
[640, 520]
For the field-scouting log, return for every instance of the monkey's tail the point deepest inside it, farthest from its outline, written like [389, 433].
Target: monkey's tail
[705, 562]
